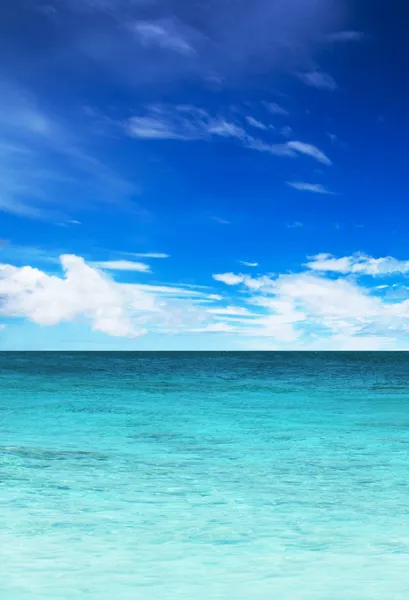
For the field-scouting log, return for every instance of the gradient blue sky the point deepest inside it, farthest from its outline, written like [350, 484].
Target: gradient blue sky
[204, 175]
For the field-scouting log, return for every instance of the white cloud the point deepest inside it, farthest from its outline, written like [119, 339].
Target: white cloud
[319, 80]
[309, 150]
[359, 264]
[302, 186]
[82, 292]
[148, 254]
[255, 123]
[86, 293]
[162, 34]
[188, 123]
[276, 109]
[228, 278]
[345, 36]
[308, 309]
[181, 123]
[122, 265]
[215, 328]
[239, 311]
[248, 264]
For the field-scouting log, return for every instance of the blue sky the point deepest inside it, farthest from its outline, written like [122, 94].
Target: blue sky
[203, 175]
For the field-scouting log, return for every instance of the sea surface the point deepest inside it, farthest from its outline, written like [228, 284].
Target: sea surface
[200, 476]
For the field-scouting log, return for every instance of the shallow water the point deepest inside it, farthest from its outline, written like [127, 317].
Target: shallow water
[248, 476]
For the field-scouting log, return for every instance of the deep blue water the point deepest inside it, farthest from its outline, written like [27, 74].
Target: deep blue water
[198, 476]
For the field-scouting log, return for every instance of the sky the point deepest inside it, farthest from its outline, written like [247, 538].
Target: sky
[204, 175]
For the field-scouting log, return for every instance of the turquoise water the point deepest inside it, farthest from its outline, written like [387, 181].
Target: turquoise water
[249, 476]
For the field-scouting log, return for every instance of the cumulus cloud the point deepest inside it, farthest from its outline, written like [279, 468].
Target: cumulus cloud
[84, 292]
[309, 309]
[318, 307]
[302, 186]
[228, 278]
[319, 80]
[81, 292]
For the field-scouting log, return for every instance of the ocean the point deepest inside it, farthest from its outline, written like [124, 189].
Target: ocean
[201, 476]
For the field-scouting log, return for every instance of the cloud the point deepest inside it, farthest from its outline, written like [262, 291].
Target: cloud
[81, 292]
[276, 109]
[254, 123]
[163, 34]
[286, 131]
[229, 278]
[333, 137]
[359, 264]
[309, 150]
[189, 123]
[86, 293]
[221, 221]
[321, 307]
[319, 80]
[32, 141]
[122, 265]
[309, 187]
[248, 264]
[181, 123]
[215, 328]
[174, 40]
[307, 310]
[345, 36]
[150, 255]
[239, 311]
[295, 225]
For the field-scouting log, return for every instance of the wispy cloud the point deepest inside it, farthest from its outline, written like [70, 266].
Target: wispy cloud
[164, 34]
[182, 123]
[286, 131]
[276, 109]
[319, 80]
[248, 264]
[345, 36]
[359, 264]
[255, 123]
[221, 221]
[150, 255]
[302, 186]
[188, 123]
[32, 140]
[295, 225]
[169, 38]
[310, 150]
[122, 265]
